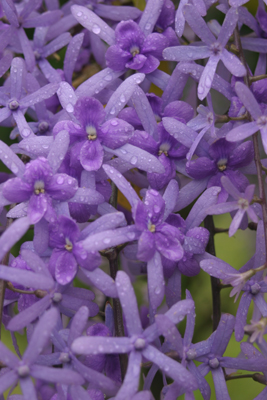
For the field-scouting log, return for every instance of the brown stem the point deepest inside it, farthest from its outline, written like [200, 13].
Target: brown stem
[256, 377]
[215, 282]
[257, 78]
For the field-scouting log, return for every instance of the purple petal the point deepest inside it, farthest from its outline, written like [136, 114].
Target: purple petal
[223, 334]
[131, 380]
[26, 49]
[241, 315]
[71, 56]
[62, 187]
[138, 158]
[7, 380]
[13, 234]
[220, 384]
[78, 324]
[146, 246]
[173, 288]
[122, 95]
[228, 26]
[198, 24]
[17, 75]
[242, 132]
[173, 369]
[129, 304]
[26, 278]
[7, 357]
[207, 77]
[179, 310]
[30, 314]
[150, 15]
[115, 133]
[16, 191]
[122, 184]
[11, 160]
[56, 375]
[155, 281]
[186, 53]
[248, 99]
[93, 23]
[37, 207]
[117, 13]
[39, 95]
[58, 150]
[106, 222]
[65, 267]
[170, 197]
[91, 344]
[40, 336]
[87, 196]
[233, 64]
[167, 242]
[91, 155]
[102, 281]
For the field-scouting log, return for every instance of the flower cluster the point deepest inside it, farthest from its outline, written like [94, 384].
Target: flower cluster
[122, 147]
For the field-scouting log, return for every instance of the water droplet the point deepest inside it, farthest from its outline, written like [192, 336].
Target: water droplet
[25, 132]
[114, 122]
[122, 98]
[69, 108]
[79, 14]
[157, 290]
[106, 240]
[131, 235]
[148, 26]
[108, 77]
[133, 160]
[60, 180]
[112, 111]
[14, 168]
[96, 29]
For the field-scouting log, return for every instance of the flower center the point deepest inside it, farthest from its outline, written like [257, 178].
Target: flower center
[222, 164]
[262, 121]
[13, 105]
[134, 50]
[39, 187]
[91, 132]
[139, 344]
[214, 363]
[68, 246]
[216, 48]
[43, 126]
[164, 149]
[243, 204]
[57, 297]
[151, 227]
[23, 371]
[64, 358]
[191, 354]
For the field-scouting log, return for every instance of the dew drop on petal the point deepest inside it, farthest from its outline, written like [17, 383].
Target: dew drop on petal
[114, 122]
[60, 180]
[106, 240]
[133, 160]
[25, 132]
[14, 168]
[96, 29]
[69, 108]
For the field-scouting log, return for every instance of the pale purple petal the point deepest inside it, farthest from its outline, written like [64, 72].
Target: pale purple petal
[170, 197]
[228, 26]
[233, 64]
[131, 380]
[11, 160]
[26, 278]
[186, 53]
[171, 368]
[7, 380]
[150, 15]
[104, 223]
[26, 49]
[91, 344]
[207, 76]
[17, 75]
[139, 158]
[87, 196]
[4, 113]
[248, 99]
[129, 303]
[7, 357]
[179, 310]
[198, 24]
[144, 111]
[38, 146]
[174, 87]
[56, 375]
[223, 334]
[41, 94]
[67, 97]
[123, 185]
[29, 314]
[56, 44]
[236, 222]
[98, 82]
[93, 23]
[220, 384]
[40, 336]
[241, 315]
[13, 234]
[122, 95]
[173, 288]
[58, 150]
[102, 281]
[23, 126]
[242, 132]
[71, 56]
[78, 324]
[117, 13]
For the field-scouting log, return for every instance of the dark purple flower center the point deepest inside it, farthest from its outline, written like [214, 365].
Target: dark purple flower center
[13, 105]
[222, 164]
[91, 132]
[216, 48]
[39, 187]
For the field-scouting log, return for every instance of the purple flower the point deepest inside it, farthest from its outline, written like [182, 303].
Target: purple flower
[242, 204]
[68, 252]
[214, 49]
[260, 120]
[88, 138]
[40, 186]
[139, 343]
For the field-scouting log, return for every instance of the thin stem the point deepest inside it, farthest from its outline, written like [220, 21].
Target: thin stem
[38, 292]
[256, 377]
[257, 78]
[215, 282]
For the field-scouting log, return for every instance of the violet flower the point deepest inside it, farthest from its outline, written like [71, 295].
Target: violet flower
[260, 120]
[139, 342]
[241, 203]
[23, 369]
[214, 48]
